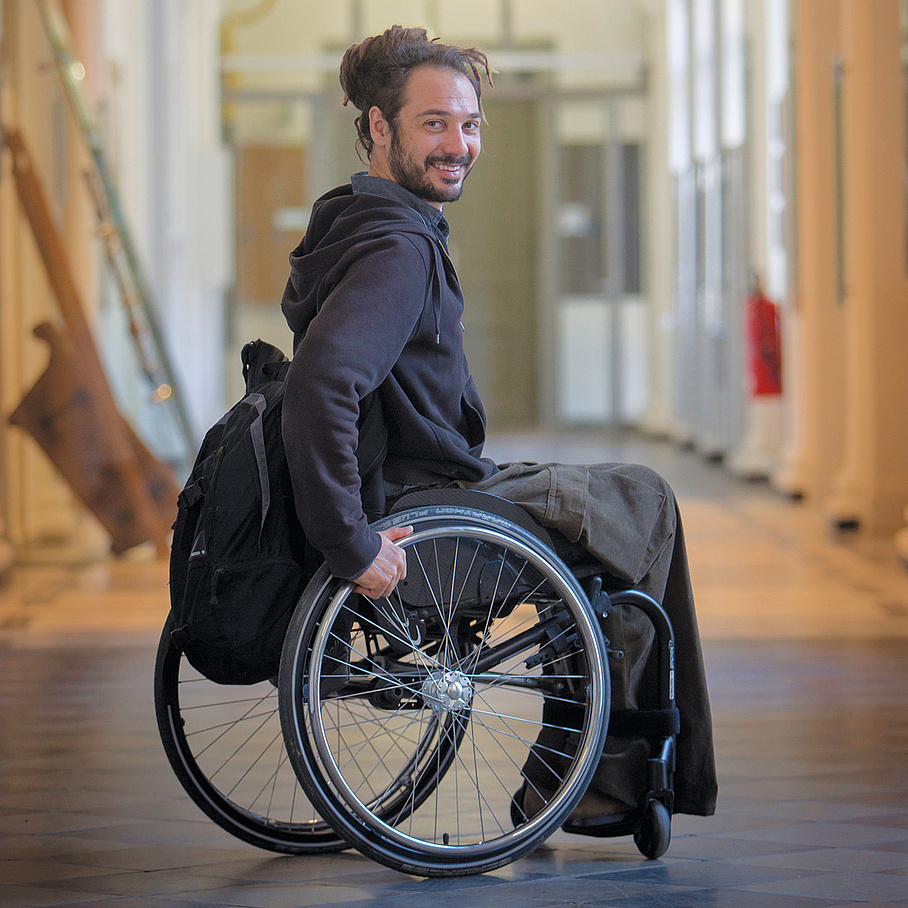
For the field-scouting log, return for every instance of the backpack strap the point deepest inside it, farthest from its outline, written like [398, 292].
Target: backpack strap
[257, 433]
[276, 371]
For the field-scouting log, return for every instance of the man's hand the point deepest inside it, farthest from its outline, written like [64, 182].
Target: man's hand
[388, 568]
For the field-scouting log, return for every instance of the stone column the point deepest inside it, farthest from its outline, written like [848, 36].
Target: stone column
[658, 419]
[817, 361]
[871, 487]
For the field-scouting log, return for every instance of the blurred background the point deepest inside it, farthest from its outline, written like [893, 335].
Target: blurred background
[688, 223]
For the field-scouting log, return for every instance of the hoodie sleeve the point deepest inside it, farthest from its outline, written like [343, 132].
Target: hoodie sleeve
[349, 348]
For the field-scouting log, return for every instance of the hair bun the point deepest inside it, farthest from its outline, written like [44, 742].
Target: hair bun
[368, 65]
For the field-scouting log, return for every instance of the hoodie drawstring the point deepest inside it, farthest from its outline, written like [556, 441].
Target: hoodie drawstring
[441, 257]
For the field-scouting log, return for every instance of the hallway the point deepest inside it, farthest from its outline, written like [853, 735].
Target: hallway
[806, 644]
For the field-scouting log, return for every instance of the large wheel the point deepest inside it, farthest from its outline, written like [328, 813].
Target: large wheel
[225, 746]
[409, 720]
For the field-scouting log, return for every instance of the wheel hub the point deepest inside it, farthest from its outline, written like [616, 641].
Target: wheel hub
[448, 691]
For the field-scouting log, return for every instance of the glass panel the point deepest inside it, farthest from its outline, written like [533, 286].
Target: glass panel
[734, 123]
[780, 253]
[579, 219]
[678, 39]
[704, 78]
[632, 165]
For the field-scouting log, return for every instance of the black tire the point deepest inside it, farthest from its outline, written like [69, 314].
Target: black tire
[225, 746]
[654, 834]
[408, 720]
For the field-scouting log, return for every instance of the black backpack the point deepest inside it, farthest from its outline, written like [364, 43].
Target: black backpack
[239, 559]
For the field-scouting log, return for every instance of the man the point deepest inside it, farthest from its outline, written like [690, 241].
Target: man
[375, 306]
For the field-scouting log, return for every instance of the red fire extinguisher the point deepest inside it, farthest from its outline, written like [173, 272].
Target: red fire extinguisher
[764, 343]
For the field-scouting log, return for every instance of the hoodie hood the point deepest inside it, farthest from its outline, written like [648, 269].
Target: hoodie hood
[342, 223]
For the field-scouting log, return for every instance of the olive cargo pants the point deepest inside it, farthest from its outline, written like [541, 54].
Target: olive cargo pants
[626, 517]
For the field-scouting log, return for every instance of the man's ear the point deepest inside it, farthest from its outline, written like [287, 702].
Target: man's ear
[379, 128]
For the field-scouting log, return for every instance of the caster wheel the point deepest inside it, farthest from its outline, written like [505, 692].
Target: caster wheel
[655, 832]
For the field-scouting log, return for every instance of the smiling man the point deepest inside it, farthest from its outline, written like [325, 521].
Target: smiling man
[375, 306]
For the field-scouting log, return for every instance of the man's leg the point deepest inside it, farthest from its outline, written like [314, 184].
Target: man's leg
[626, 516]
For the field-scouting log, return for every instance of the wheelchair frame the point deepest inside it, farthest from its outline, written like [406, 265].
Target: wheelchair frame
[249, 789]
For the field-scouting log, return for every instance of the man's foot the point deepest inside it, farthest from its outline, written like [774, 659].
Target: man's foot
[592, 807]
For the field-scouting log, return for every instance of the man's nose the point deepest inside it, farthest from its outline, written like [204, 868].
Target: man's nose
[456, 143]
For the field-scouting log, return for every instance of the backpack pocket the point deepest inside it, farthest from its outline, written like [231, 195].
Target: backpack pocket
[244, 617]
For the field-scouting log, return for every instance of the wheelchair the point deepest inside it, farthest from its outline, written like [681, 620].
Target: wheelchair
[405, 726]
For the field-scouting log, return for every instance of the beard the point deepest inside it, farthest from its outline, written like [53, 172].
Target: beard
[415, 178]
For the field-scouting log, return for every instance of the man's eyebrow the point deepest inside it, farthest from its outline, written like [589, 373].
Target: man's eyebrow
[447, 113]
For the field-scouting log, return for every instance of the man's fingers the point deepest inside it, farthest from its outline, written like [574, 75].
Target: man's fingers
[388, 568]
[396, 533]
[401, 533]
[395, 556]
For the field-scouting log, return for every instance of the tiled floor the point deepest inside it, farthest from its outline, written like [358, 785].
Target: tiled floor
[806, 641]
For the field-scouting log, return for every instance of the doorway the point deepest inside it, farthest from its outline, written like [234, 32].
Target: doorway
[546, 241]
